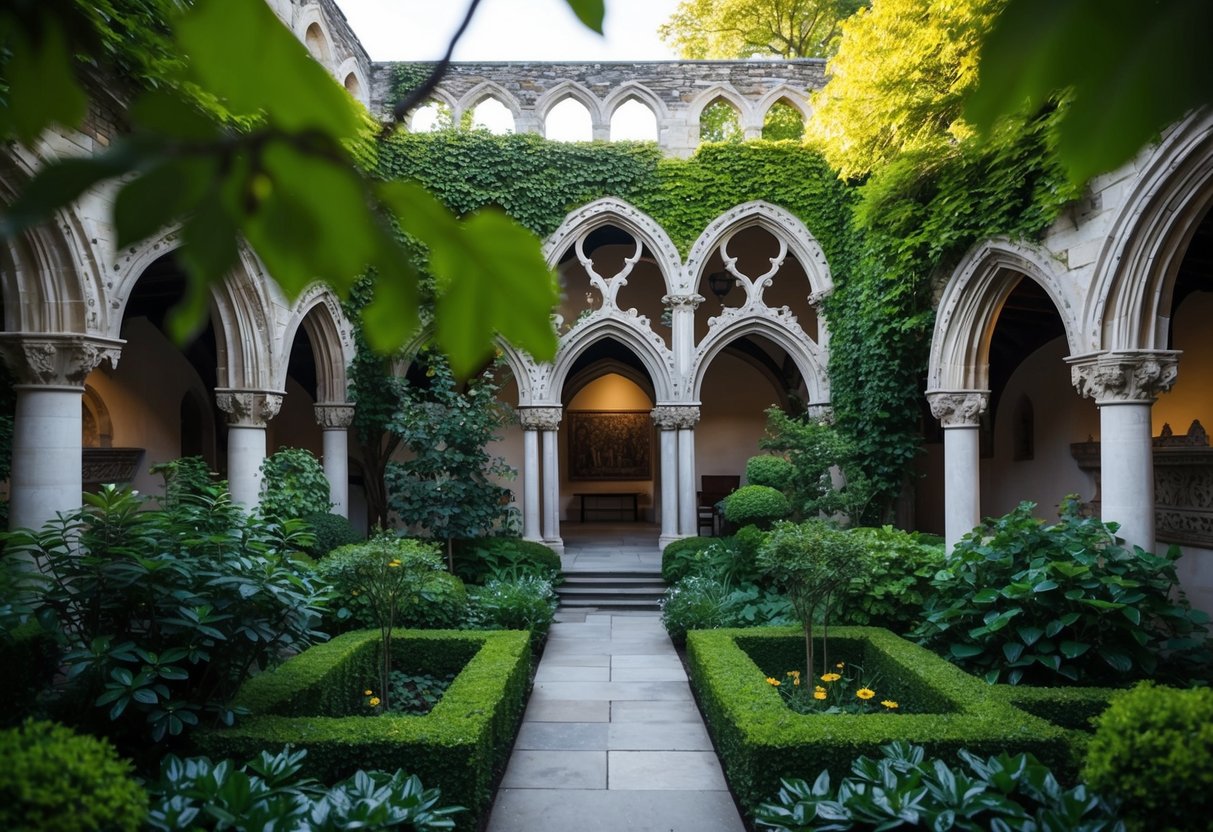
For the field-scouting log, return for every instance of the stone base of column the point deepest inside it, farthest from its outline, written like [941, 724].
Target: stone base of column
[666, 540]
[555, 544]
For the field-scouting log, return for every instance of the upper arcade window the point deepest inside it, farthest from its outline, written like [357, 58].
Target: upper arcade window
[569, 121]
[431, 116]
[783, 122]
[633, 121]
[492, 115]
[317, 43]
[353, 86]
[720, 122]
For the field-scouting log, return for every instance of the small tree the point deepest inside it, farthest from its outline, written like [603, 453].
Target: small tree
[448, 489]
[293, 485]
[826, 478]
[811, 561]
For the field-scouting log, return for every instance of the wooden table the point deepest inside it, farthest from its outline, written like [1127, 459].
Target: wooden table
[619, 503]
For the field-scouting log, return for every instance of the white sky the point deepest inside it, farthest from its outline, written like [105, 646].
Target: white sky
[508, 30]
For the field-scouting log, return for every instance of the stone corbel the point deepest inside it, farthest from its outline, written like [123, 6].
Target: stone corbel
[958, 408]
[56, 360]
[1124, 377]
[540, 418]
[249, 408]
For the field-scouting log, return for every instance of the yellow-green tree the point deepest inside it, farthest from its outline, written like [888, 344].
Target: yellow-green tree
[899, 80]
[744, 28]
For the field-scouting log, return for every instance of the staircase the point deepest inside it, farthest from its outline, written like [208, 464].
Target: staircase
[629, 590]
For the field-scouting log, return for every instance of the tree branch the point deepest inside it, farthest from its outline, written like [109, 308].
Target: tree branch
[421, 92]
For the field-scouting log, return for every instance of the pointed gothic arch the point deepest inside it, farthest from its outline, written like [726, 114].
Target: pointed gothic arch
[647, 347]
[319, 314]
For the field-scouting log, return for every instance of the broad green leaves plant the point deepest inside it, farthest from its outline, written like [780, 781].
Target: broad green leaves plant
[293, 485]
[251, 141]
[905, 790]
[1021, 600]
[1127, 70]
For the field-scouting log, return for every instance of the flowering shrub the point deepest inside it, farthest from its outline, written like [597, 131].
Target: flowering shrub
[845, 691]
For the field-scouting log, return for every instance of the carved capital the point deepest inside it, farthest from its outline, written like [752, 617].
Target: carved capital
[958, 408]
[675, 417]
[540, 418]
[821, 412]
[249, 408]
[1124, 377]
[332, 416]
[816, 299]
[51, 360]
[691, 301]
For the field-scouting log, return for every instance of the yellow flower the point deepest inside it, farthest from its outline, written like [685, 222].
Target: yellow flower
[367, 692]
[865, 693]
[374, 703]
[830, 677]
[889, 703]
[819, 694]
[796, 681]
[394, 564]
[819, 688]
[771, 680]
[841, 665]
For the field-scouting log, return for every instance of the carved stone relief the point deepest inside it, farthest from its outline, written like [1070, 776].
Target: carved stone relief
[249, 408]
[958, 408]
[1122, 377]
[57, 360]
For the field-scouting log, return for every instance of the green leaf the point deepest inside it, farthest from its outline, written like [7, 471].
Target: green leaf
[243, 54]
[1131, 613]
[169, 115]
[1045, 586]
[40, 85]
[159, 197]
[589, 12]
[965, 651]
[986, 596]
[1074, 649]
[1030, 635]
[1118, 661]
[1012, 650]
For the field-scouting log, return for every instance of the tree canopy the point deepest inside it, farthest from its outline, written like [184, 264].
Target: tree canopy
[726, 29]
[899, 81]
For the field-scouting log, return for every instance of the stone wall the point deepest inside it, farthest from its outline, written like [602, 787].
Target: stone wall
[676, 91]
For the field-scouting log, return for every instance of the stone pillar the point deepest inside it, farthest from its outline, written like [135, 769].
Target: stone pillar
[532, 420]
[46, 476]
[547, 421]
[248, 413]
[959, 411]
[335, 420]
[666, 419]
[682, 329]
[1125, 385]
[600, 131]
[683, 419]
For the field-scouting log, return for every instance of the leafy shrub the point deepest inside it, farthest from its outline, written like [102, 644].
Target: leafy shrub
[759, 505]
[705, 601]
[480, 558]
[59, 781]
[440, 602]
[894, 584]
[1025, 601]
[526, 602]
[1153, 750]
[268, 793]
[165, 613]
[770, 470]
[331, 532]
[679, 555]
[904, 790]
[293, 485]
[819, 454]
[30, 658]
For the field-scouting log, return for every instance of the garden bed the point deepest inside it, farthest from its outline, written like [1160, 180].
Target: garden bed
[314, 701]
[760, 740]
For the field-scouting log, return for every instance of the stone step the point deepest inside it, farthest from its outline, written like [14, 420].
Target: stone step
[572, 578]
[610, 592]
[645, 605]
[631, 590]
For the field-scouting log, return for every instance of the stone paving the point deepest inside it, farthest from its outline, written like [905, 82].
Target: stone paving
[611, 738]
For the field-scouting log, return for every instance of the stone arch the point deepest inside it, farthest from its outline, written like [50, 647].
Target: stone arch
[484, 90]
[312, 29]
[809, 357]
[351, 69]
[612, 211]
[634, 89]
[98, 427]
[969, 309]
[573, 90]
[780, 224]
[439, 98]
[328, 331]
[797, 98]
[726, 92]
[50, 274]
[653, 355]
[1129, 304]
[575, 383]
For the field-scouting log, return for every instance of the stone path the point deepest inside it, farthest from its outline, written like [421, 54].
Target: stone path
[611, 739]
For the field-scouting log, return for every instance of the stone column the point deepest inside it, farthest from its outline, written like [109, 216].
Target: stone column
[959, 411]
[1125, 385]
[600, 131]
[248, 413]
[666, 419]
[46, 476]
[335, 420]
[532, 420]
[547, 421]
[682, 329]
[684, 419]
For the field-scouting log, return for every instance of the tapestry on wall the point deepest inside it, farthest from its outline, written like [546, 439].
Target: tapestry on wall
[610, 445]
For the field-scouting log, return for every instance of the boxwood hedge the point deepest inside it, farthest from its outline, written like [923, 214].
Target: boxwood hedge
[760, 740]
[458, 746]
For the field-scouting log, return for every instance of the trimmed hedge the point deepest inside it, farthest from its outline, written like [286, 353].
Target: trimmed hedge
[760, 740]
[679, 555]
[1072, 708]
[757, 504]
[457, 746]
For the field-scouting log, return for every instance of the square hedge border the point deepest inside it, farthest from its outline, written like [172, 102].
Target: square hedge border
[761, 741]
[458, 746]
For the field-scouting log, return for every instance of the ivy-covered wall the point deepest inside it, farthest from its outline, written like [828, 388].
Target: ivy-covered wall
[889, 240]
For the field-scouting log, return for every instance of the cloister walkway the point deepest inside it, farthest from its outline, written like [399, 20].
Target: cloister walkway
[611, 739]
